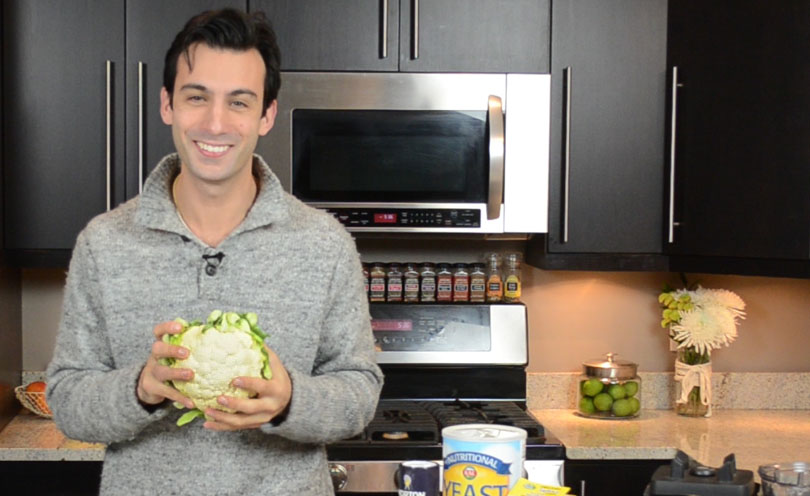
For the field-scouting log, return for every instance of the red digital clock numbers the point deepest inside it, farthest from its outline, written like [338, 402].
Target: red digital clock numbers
[385, 218]
[391, 325]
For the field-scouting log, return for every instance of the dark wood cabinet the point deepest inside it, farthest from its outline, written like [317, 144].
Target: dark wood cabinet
[63, 115]
[411, 35]
[608, 130]
[741, 168]
[81, 116]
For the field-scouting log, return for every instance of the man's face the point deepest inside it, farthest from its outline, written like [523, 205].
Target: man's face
[216, 113]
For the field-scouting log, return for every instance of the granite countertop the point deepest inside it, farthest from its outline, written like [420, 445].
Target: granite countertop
[29, 437]
[756, 437]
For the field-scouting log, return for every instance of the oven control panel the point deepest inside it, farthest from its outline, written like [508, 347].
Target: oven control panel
[447, 333]
[405, 218]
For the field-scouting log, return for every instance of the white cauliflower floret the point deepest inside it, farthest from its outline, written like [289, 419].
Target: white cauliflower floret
[229, 345]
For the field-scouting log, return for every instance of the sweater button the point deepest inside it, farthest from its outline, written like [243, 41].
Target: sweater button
[210, 270]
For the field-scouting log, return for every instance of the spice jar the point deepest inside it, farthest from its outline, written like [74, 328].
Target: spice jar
[444, 282]
[609, 388]
[512, 286]
[365, 277]
[394, 289]
[494, 280]
[427, 288]
[461, 283]
[376, 286]
[410, 282]
[478, 283]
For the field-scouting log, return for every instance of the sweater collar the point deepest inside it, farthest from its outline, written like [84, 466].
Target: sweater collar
[156, 209]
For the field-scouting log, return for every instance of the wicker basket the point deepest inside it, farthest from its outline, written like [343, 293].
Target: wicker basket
[33, 401]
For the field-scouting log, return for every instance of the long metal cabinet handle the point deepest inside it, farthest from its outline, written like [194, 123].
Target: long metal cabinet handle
[415, 30]
[672, 222]
[496, 153]
[140, 126]
[567, 156]
[384, 44]
[109, 135]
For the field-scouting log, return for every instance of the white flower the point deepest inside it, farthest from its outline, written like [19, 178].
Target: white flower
[711, 323]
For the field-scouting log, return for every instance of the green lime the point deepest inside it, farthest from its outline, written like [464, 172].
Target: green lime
[592, 387]
[622, 407]
[617, 391]
[602, 402]
[586, 405]
[635, 404]
[631, 388]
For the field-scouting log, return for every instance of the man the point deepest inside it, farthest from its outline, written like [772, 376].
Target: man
[214, 230]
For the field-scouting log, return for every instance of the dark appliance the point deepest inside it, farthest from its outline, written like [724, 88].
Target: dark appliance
[444, 365]
[416, 152]
[685, 477]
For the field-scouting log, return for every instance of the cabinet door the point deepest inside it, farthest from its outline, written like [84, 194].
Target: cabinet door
[474, 36]
[742, 163]
[325, 35]
[63, 121]
[151, 27]
[607, 126]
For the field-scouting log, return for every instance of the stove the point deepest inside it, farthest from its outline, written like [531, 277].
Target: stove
[444, 365]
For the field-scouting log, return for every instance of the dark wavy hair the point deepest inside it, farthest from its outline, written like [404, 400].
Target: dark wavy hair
[229, 29]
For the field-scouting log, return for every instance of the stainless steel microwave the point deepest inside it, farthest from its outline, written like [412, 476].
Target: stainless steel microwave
[406, 152]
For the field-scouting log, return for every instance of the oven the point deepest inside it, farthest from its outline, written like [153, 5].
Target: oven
[416, 152]
[444, 365]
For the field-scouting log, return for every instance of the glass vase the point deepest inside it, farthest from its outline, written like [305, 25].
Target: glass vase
[693, 407]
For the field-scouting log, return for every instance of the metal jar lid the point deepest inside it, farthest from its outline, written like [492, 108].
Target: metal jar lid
[611, 367]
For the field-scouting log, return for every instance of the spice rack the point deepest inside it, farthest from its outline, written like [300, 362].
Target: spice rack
[496, 279]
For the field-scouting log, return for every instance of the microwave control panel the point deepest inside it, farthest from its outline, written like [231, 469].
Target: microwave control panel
[407, 218]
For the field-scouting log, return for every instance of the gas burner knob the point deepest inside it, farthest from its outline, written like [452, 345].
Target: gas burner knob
[339, 474]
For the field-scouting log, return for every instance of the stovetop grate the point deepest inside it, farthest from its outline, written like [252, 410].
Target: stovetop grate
[473, 412]
[402, 421]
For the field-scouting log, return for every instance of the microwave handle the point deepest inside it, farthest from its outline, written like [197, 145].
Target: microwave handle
[496, 152]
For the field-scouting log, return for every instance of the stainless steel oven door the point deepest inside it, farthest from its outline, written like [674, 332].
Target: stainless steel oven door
[361, 477]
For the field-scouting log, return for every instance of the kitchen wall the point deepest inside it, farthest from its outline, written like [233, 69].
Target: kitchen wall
[10, 340]
[573, 317]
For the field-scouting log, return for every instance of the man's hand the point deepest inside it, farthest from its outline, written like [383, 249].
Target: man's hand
[152, 388]
[272, 397]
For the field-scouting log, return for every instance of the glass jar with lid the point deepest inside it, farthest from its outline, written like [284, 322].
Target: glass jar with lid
[609, 388]
[410, 283]
[427, 285]
[376, 287]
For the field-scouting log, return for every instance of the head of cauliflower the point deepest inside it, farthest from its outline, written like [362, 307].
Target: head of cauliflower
[226, 346]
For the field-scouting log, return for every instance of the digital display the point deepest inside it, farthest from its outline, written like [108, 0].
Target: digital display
[391, 325]
[385, 218]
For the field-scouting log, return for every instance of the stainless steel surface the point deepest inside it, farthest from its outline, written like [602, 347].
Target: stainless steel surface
[415, 30]
[508, 347]
[384, 44]
[526, 131]
[567, 155]
[378, 475]
[525, 186]
[496, 150]
[140, 126]
[109, 134]
[672, 223]
[611, 367]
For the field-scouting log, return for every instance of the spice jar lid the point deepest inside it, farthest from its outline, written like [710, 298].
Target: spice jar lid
[611, 367]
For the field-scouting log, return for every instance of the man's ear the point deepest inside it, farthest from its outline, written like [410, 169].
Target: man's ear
[166, 111]
[268, 119]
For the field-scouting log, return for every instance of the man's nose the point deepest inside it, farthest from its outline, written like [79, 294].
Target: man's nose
[215, 118]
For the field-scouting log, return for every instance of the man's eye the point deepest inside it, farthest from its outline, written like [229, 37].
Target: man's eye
[195, 98]
[240, 104]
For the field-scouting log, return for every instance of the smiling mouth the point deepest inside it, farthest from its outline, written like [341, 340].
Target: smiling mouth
[212, 150]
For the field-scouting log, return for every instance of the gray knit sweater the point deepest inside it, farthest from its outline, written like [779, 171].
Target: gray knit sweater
[138, 265]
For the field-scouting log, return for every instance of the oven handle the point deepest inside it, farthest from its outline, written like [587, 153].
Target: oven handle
[496, 152]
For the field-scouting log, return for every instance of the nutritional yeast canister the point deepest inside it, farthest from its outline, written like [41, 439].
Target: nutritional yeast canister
[482, 459]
